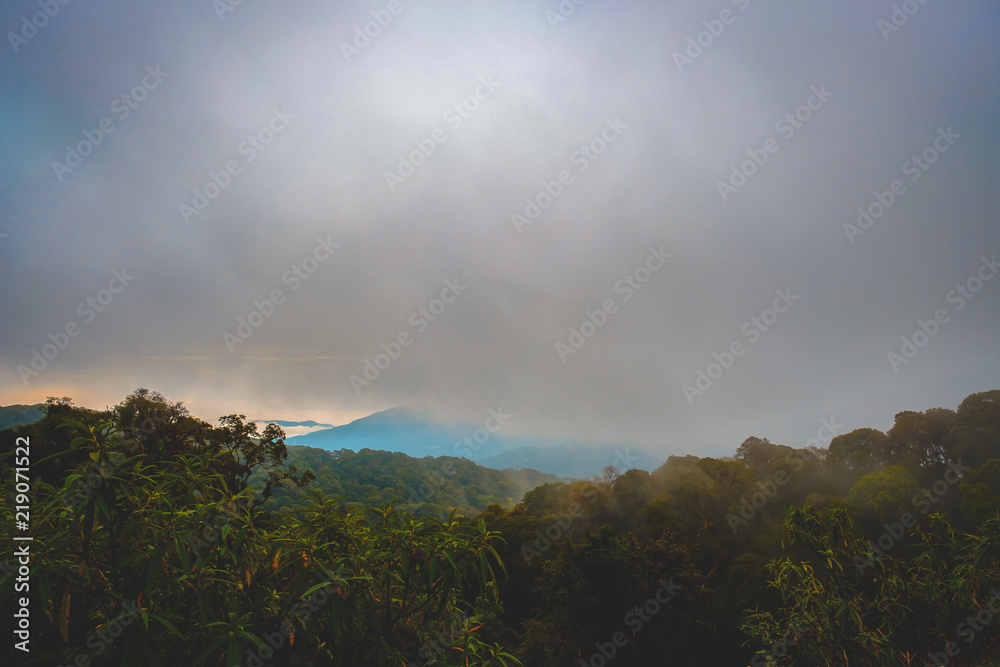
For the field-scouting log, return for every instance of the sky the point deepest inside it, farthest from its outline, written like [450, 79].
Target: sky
[615, 221]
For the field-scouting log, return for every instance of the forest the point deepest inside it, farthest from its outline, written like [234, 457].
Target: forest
[159, 538]
[429, 486]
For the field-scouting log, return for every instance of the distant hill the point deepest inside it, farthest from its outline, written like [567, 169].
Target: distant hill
[397, 430]
[430, 486]
[574, 460]
[402, 430]
[16, 415]
[287, 424]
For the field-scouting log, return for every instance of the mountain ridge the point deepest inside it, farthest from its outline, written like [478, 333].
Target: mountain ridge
[417, 434]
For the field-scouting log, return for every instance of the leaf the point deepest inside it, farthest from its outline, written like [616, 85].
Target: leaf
[64, 617]
[208, 651]
[88, 520]
[155, 567]
[103, 505]
[202, 605]
[160, 618]
[233, 653]
[182, 553]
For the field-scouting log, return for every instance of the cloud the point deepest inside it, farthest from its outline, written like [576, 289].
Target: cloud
[324, 174]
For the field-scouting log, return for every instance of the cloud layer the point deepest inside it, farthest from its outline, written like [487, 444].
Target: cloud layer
[745, 136]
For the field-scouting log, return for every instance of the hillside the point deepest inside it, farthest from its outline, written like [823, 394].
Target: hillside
[15, 415]
[572, 460]
[429, 486]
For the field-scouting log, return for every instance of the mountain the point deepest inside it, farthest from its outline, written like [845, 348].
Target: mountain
[16, 415]
[403, 430]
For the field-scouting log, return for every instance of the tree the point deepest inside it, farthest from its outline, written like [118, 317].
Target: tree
[895, 611]
[164, 562]
[607, 583]
[920, 439]
[975, 437]
[862, 451]
[884, 496]
[251, 452]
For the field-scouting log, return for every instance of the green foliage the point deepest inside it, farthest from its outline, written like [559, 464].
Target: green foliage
[431, 486]
[884, 496]
[599, 585]
[861, 452]
[211, 578]
[981, 492]
[893, 613]
[152, 519]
